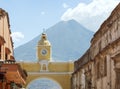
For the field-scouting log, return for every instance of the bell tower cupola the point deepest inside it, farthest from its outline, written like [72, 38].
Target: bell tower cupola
[43, 48]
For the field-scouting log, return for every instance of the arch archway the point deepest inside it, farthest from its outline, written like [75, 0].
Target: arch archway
[43, 83]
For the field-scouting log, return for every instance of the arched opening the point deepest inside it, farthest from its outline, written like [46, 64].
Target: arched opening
[43, 83]
[44, 67]
[7, 53]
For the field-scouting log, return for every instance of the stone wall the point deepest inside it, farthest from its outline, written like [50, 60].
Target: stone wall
[100, 65]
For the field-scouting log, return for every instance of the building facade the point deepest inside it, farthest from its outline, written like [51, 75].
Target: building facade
[12, 76]
[47, 74]
[99, 67]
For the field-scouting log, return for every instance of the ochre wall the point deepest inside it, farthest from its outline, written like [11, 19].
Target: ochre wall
[58, 71]
[62, 79]
[53, 66]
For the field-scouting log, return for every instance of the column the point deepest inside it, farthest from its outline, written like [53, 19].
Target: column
[2, 52]
[117, 84]
[82, 79]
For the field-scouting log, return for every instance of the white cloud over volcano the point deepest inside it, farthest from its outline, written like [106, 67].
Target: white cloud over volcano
[91, 15]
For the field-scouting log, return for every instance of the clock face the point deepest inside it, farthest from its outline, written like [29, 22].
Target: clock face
[43, 51]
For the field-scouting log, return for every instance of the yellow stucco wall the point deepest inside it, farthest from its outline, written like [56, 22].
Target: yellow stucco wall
[48, 54]
[62, 79]
[58, 71]
[53, 66]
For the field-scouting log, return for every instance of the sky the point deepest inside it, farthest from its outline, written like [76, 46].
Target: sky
[28, 18]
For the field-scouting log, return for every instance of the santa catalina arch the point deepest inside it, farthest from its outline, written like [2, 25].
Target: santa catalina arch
[57, 74]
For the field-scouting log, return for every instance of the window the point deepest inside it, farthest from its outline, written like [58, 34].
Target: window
[105, 67]
[6, 56]
[98, 70]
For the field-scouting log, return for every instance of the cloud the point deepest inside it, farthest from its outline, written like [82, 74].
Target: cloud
[65, 5]
[91, 15]
[17, 36]
[42, 13]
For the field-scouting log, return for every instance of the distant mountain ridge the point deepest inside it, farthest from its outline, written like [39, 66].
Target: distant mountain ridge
[69, 41]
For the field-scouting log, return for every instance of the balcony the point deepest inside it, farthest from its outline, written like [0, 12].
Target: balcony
[13, 72]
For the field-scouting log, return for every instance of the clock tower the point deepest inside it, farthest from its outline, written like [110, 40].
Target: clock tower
[43, 48]
[44, 52]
